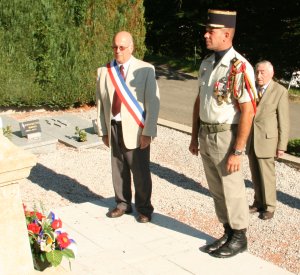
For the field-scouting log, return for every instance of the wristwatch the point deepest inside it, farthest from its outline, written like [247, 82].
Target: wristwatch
[237, 152]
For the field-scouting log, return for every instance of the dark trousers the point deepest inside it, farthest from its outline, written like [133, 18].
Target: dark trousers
[123, 163]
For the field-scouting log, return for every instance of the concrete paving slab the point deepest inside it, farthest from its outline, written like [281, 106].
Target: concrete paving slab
[63, 128]
[123, 246]
[158, 266]
[45, 144]
[105, 263]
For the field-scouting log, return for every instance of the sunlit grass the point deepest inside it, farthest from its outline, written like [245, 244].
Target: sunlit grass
[294, 91]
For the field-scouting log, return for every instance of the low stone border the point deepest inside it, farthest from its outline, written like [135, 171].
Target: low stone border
[290, 160]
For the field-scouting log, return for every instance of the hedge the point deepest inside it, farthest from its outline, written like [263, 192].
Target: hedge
[50, 49]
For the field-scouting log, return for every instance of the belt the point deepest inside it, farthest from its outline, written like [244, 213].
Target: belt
[216, 127]
[114, 122]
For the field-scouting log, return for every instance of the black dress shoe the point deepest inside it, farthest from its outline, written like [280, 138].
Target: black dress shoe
[143, 218]
[237, 244]
[218, 243]
[253, 209]
[266, 215]
[117, 212]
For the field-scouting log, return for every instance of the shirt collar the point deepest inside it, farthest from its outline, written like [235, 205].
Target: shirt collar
[264, 87]
[125, 65]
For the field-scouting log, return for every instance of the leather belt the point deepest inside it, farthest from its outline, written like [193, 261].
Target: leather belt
[216, 127]
[114, 122]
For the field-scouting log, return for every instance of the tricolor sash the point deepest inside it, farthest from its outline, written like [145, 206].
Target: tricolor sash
[125, 94]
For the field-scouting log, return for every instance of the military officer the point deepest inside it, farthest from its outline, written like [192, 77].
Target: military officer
[222, 118]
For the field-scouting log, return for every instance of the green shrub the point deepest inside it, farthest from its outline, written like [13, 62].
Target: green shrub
[7, 131]
[293, 147]
[80, 134]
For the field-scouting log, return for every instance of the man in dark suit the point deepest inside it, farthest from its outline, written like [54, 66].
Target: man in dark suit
[127, 112]
[268, 140]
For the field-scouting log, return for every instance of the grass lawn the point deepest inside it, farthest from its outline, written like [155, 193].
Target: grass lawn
[294, 91]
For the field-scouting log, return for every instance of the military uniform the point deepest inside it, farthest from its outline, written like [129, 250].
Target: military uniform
[219, 118]
[222, 118]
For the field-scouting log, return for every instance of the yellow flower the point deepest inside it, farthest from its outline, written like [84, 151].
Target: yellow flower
[49, 240]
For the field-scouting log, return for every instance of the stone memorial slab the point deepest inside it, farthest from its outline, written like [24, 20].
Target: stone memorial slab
[31, 129]
[63, 128]
[15, 164]
[44, 144]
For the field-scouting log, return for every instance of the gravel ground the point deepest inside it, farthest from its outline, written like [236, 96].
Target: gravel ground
[68, 176]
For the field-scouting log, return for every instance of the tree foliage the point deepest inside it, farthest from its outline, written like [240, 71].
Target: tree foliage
[50, 49]
[267, 29]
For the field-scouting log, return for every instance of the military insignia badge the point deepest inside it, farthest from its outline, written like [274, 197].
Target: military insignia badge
[222, 92]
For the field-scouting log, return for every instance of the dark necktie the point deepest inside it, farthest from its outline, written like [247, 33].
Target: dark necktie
[260, 94]
[116, 105]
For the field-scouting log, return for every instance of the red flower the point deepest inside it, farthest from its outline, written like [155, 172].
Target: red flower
[34, 228]
[31, 213]
[63, 240]
[56, 224]
[39, 215]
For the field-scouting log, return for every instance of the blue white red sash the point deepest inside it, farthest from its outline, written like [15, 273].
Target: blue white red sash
[125, 95]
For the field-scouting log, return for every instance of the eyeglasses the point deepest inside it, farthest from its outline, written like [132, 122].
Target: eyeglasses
[122, 48]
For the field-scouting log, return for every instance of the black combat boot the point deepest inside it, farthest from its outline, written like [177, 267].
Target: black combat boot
[218, 243]
[237, 244]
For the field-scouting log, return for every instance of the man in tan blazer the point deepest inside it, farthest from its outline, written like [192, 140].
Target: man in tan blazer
[121, 129]
[268, 140]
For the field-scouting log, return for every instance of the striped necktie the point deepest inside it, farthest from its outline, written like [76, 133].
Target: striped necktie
[260, 93]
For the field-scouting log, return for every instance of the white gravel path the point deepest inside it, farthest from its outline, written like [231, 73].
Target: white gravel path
[68, 176]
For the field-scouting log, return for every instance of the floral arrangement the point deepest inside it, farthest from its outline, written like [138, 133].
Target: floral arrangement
[48, 241]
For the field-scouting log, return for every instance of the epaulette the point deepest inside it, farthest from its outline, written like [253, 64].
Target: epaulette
[235, 62]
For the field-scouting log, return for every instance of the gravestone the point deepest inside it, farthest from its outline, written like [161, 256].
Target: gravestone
[41, 135]
[63, 128]
[15, 253]
[42, 143]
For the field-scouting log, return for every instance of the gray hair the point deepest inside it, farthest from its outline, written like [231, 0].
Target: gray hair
[265, 62]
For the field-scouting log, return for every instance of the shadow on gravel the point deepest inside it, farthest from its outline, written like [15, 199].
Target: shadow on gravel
[183, 181]
[175, 225]
[284, 198]
[177, 179]
[63, 185]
